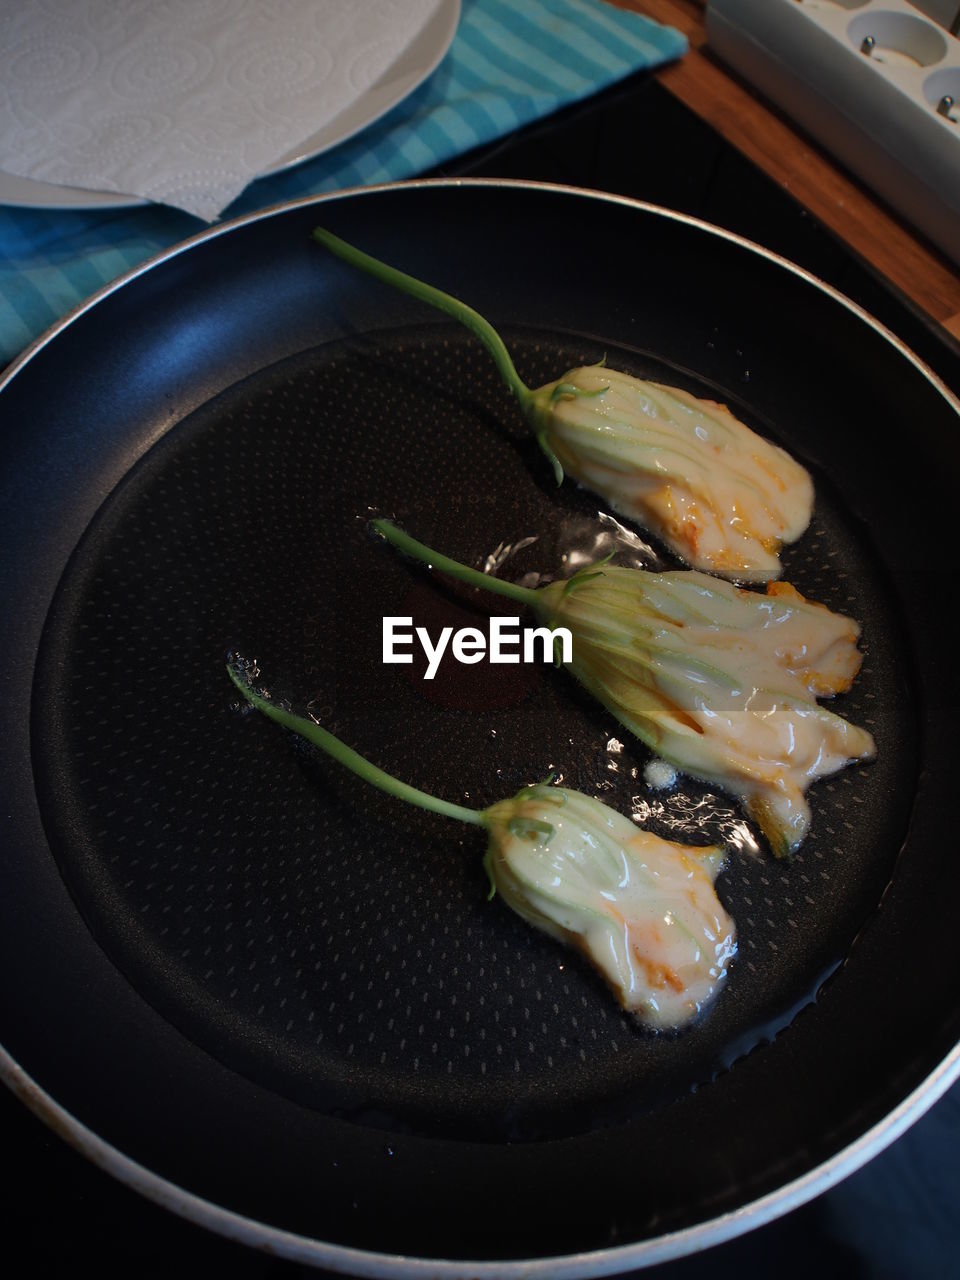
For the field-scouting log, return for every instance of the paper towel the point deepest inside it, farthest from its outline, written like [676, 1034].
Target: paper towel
[183, 101]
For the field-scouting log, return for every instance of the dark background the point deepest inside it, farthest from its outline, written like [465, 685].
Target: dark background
[898, 1216]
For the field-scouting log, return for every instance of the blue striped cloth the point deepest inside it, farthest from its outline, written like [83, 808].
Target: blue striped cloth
[511, 62]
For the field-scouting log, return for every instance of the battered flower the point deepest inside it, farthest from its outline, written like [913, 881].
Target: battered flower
[721, 681]
[642, 910]
[718, 495]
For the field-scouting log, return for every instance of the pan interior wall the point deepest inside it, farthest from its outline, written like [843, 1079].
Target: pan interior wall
[315, 936]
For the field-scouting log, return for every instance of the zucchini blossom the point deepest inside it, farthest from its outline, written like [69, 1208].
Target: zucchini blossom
[720, 496]
[642, 910]
[719, 680]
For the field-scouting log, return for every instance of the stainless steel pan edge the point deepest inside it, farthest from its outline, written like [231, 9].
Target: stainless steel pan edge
[607, 1262]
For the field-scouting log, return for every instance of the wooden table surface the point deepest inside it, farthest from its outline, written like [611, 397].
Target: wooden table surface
[833, 195]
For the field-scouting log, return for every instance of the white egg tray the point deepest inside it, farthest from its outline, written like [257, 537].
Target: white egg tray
[878, 106]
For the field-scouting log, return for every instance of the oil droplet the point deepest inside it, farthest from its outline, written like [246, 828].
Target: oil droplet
[688, 818]
[660, 775]
[503, 552]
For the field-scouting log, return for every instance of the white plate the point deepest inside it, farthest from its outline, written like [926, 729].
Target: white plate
[415, 63]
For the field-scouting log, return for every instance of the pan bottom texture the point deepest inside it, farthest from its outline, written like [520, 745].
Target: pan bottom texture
[316, 937]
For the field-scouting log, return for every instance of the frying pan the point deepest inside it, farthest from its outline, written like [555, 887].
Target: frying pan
[276, 1004]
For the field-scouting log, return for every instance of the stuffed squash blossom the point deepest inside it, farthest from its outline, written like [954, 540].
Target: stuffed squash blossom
[642, 910]
[721, 497]
[719, 680]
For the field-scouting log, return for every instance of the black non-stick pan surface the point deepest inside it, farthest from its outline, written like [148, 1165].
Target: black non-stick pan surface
[281, 1003]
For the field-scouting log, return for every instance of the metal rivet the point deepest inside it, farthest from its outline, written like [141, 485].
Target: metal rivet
[867, 45]
[945, 106]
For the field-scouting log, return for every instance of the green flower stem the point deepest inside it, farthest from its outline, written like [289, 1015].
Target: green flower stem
[352, 760]
[436, 298]
[411, 547]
